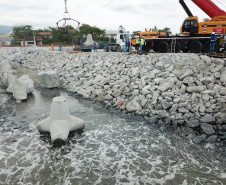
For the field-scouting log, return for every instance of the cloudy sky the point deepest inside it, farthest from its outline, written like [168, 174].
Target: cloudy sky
[110, 14]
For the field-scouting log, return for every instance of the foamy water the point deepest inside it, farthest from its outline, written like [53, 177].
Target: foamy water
[113, 149]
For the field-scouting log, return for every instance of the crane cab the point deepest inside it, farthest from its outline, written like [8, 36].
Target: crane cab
[190, 26]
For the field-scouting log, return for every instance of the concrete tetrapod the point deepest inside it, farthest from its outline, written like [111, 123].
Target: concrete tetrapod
[60, 122]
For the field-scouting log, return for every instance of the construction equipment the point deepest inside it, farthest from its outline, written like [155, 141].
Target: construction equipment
[195, 35]
[150, 37]
[64, 25]
[217, 23]
[120, 42]
[118, 46]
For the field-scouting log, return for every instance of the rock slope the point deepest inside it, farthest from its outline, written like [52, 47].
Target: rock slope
[183, 91]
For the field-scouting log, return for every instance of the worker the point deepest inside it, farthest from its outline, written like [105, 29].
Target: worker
[73, 47]
[137, 44]
[60, 47]
[52, 47]
[128, 45]
[142, 43]
[95, 46]
[81, 42]
[224, 44]
[213, 42]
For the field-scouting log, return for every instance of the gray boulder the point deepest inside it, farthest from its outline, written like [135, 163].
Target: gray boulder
[212, 139]
[4, 67]
[199, 139]
[192, 123]
[223, 76]
[49, 79]
[133, 106]
[196, 89]
[19, 90]
[207, 118]
[207, 129]
[8, 79]
[165, 104]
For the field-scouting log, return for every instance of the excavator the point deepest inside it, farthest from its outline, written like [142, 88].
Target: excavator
[194, 35]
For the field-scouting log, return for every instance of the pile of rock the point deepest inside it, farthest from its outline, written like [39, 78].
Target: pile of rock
[186, 91]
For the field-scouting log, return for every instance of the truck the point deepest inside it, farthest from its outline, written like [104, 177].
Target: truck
[90, 48]
[194, 35]
[120, 42]
[118, 46]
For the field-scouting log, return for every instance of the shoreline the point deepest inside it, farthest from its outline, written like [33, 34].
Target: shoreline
[168, 93]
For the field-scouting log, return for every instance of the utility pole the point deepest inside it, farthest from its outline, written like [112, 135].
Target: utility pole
[34, 38]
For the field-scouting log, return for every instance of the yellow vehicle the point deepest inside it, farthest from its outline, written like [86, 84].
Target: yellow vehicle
[192, 26]
[195, 35]
[148, 35]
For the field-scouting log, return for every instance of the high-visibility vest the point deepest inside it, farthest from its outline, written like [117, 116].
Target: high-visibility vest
[213, 38]
[73, 46]
[137, 41]
[142, 41]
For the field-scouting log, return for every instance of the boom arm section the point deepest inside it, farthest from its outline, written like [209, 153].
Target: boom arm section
[209, 8]
[185, 8]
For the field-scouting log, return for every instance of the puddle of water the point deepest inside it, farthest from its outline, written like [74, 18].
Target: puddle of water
[111, 150]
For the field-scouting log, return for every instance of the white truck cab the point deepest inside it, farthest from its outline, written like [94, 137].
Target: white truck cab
[121, 39]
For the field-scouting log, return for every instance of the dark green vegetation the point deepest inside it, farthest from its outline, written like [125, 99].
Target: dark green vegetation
[63, 35]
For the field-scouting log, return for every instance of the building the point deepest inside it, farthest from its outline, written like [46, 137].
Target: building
[46, 35]
[5, 40]
[30, 41]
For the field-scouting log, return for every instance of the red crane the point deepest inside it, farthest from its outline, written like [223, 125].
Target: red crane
[210, 8]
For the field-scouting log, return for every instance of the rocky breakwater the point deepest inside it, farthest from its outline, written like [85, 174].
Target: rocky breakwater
[185, 92]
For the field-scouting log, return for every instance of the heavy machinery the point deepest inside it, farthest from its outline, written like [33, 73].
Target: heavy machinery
[194, 35]
[118, 46]
[192, 26]
[149, 37]
[120, 42]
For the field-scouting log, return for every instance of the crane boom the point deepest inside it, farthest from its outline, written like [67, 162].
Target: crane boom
[211, 9]
[186, 9]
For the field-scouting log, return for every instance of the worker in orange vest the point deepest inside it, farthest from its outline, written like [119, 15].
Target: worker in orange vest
[52, 47]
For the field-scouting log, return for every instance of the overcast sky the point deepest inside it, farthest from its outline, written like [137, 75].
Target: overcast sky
[110, 14]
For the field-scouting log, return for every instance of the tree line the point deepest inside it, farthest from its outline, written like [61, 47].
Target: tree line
[64, 35]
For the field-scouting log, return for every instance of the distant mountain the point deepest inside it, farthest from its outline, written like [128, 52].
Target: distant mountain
[5, 29]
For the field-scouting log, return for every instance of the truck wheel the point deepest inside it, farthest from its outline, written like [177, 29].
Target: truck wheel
[195, 46]
[105, 48]
[206, 46]
[163, 47]
[119, 49]
[155, 50]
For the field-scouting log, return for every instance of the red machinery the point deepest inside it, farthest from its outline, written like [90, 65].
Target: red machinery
[211, 9]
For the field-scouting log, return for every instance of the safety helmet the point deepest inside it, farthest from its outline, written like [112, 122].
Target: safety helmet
[213, 33]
